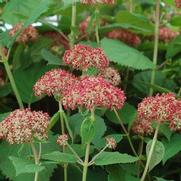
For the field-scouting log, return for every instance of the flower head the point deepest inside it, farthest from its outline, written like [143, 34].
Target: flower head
[111, 143]
[23, 125]
[82, 57]
[27, 34]
[62, 140]
[125, 36]
[142, 127]
[97, 1]
[178, 3]
[111, 75]
[158, 108]
[91, 92]
[166, 34]
[54, 82]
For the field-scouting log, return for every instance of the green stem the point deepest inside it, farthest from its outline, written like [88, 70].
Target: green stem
[126, 132]
[150, 153]
[13, 84]
[86, 163]
[63, 132]
[97, 26]
[156, 42]
[73, 24]
[37, 159]
[130, 6]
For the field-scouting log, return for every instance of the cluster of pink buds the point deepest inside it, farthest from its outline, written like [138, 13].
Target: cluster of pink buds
[84, 24]
[125, 36]
[166, 34]
[57, 38]
[54, 82]
[160, 108]
[142, 127]
[91, 92]
[111, 143]
[178, 3]
[82, 57]
[24, 125]
[111, 75]
[97, 1]
[62, 140]
[28, 34]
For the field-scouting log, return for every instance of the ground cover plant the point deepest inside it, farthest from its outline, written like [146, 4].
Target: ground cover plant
[90, 90]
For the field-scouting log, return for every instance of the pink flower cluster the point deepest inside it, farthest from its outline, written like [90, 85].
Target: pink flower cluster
[166, 34]
[178, 3]
[125, 36]
[160, 108]
[82, 57]
[24, 125]
[97, 1]
[62, 140]
[91, 92]
[111, 143]
[54, 82]
[27, 34]
[111, 75]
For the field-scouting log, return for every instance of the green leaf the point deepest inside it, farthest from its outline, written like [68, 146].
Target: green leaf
[172, 147]
[109, 158]
[161, 179]
[5, 90]
[124, 55]
[135, 21]
[157, 155]
[174, 47]
[25, 166]
[52, 59]
[127, 114]
[59, 157]
[25, 86]
[24, 11]
[3, 116]
[54, 120]
[87, 130]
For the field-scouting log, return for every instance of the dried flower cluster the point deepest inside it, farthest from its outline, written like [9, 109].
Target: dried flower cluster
[97, 1]
[82, 57]
[23, 125]
[160, 108]
[111, 75]
[28, 34]
[62, 140]
[166, 34]
[178, 3]
[54, 82]
[111, 143]
[91, 92]
[125, 36]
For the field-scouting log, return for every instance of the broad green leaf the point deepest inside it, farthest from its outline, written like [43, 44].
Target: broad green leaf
[157, 155]
[24, 11]
[176, 20]
[26, 78]
[174, 47]
[124, 55]
[135, 21]
[25, 166]
[54, 120]
[141, 82]
[109, 158]
[87, 130]
[52, 59]
[127, 114]
[59, 157]
[172, 147]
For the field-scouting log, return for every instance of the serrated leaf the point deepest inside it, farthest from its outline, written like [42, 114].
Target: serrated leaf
[124, 55]
[59, 157]
[25, 166]
[172, 147]
[109, 158]
[157, 155]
